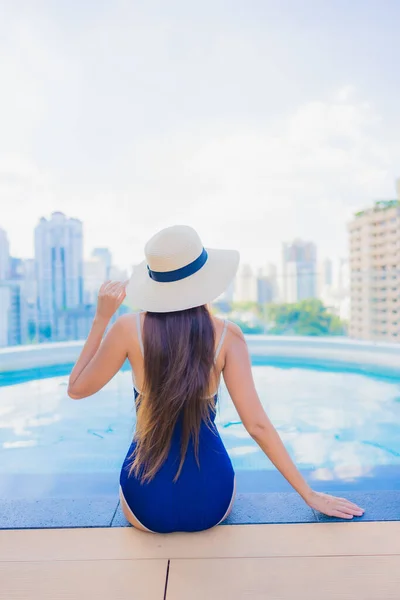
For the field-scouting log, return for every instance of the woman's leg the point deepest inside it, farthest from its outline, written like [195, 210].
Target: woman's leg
[226, 515]
[129, 516]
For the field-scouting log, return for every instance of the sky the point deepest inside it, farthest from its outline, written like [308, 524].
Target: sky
[255, 122]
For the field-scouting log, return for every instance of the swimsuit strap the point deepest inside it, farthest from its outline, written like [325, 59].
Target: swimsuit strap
[221, 341]
[139, 332]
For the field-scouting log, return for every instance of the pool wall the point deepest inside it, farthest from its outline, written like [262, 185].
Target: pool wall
[329, 353]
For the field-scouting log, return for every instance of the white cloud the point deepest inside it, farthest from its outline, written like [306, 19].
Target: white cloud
[241, 186]
[132, 121]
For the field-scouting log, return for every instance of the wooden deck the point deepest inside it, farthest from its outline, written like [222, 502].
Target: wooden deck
[359, 561]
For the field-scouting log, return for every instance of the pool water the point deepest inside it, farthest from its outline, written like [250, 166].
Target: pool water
[336, 425]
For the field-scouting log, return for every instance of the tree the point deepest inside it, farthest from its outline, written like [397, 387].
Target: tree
[308, 317]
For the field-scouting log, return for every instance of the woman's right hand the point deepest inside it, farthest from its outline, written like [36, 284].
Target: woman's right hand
[110, 298]
[334, 507]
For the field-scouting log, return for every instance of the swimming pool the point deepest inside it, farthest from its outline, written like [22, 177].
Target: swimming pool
[341, 428]
[334, 402]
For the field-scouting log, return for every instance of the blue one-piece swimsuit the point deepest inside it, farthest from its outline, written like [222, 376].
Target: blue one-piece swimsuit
[201, 496]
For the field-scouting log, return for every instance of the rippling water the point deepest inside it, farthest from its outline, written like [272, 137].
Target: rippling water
[338, 424]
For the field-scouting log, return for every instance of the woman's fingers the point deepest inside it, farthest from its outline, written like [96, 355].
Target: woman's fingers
[104, 286]
[348, 509]
[350, 504]
[341, 515]
[112, 288]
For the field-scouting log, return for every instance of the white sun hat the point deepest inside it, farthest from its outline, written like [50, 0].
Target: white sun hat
[179, 273]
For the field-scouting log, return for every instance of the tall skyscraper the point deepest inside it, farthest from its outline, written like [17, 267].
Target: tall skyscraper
[375, 272]
[245, 285]
[267, 285]
[327, 272]
[228, 295]
[336, 295]
[325, 278]
[95, 274]
[4, 255]
[299, 271]
[4, 318]
[118, 274]
[29, 277]
[59, 269]
[342, 276]
[105, 256]
[17, 302]
[16, 270]
[13, 313]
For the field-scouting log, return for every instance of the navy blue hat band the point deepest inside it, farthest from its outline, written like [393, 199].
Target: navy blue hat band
[182, 273]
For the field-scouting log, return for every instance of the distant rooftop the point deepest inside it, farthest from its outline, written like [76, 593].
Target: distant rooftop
[379, 205]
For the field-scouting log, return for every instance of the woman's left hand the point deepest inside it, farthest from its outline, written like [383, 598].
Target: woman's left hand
[111, 296]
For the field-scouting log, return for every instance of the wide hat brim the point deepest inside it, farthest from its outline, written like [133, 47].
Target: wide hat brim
[198, 289]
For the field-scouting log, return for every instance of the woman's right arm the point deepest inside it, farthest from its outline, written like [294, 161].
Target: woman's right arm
[240, 383]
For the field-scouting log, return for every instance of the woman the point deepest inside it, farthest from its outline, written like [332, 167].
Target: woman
[177, 475]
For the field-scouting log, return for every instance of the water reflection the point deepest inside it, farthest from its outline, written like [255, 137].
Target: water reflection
[338, 424]
[341, 423]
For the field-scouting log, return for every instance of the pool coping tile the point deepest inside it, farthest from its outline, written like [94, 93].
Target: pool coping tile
[265, 508]
[268, 508]
[57, 513]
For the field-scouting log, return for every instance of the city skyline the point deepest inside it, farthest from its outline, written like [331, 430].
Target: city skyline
[91, 252]
[53, 296]
[55, 292]
[331, 279]
[126, 115]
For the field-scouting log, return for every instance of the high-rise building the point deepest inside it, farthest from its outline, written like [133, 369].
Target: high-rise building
[245, 285]
[227, 296]
[104, 255]
[336, 296]
[342, 277]
[18, 303]
[13, 313]
[325, 276]
[375, 272]
[59, 269]
[267, 285]
[299, 271]
[95, 274]
[4, 255]
[75, 323]
[117, 274]
[29, 277]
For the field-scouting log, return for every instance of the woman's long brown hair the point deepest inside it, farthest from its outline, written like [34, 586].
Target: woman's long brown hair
[178, 361]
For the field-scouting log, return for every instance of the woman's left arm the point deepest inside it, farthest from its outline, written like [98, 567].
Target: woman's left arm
[100, 361]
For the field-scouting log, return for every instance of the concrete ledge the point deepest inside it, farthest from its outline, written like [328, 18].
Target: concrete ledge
[270, 508]
[374, 358]
[257, 509]
[57, 513]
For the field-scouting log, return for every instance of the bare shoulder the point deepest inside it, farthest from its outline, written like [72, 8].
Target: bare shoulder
[236, 350]
[235, 330]
[234, 334]
[126, 322]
